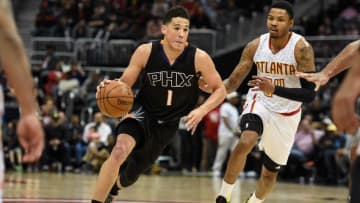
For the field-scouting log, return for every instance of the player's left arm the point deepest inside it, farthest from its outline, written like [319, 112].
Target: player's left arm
[304, 55]
[206, 68]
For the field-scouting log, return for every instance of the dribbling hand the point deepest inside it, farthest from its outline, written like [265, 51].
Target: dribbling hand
[101, 85]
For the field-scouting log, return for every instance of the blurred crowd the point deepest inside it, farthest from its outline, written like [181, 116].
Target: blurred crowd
[341, 18]
[137, 20]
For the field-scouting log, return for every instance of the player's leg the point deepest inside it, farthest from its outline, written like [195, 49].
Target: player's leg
[251, 126]
[157, 138]
[128, 135]
[276, 143]
[266, 181]
[355, 178]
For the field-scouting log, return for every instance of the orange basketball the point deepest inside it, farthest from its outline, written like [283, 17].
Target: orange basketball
[115, 99]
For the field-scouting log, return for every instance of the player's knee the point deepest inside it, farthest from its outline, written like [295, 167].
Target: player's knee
[247, 142]
[252, 122]
[124, 145]
[272, 167]
[268, 177]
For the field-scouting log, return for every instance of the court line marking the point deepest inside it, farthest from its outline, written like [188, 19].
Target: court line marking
[24, 200]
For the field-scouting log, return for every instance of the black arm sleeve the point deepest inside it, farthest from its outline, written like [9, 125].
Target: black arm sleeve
[304, 94]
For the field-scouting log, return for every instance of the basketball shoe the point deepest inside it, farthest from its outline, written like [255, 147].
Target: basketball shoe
[113, 193]
[221, 199]
[109, 199]
[247, 200]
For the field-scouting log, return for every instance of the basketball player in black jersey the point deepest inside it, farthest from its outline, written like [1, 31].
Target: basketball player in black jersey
[344, 104]
[169, 90]
[16, 67]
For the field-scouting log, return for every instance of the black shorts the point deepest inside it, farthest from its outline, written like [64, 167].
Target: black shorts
[151, 138]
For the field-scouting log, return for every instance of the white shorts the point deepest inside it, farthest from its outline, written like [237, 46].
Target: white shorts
[279, 131]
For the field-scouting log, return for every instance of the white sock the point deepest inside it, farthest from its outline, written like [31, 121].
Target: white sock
[254, 199]
[226, 190]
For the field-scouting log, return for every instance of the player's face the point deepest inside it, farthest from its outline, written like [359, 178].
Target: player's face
[176, 33]
[278, 22]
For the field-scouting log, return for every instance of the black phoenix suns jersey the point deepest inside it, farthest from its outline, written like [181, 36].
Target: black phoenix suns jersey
[168, 92]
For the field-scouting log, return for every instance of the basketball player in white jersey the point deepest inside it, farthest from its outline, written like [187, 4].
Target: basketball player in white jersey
[344, 104]
[273, 107]
[17, 70]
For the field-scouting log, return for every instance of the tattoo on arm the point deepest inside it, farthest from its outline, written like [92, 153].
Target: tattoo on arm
[241, 70]
[306, 58]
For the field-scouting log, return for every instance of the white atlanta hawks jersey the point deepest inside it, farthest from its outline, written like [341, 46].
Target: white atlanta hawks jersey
[280, 68]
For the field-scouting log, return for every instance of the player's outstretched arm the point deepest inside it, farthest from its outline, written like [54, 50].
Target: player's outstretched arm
[341, 62]
[344, 104]
[243, 68]
[205, 66]
[18, 74]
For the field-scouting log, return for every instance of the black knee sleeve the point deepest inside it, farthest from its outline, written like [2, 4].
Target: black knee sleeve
[270, 164]
[129, 179]
[355, 181]
[133, 128]
[251, 121]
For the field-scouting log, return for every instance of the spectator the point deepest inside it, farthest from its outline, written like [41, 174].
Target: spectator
[96, 134]
[159, 8]
[210, 138]
[80, 30]
[57, 148]
[303, 151]
[328, 146]
[78, 147]
[12, 150]
[100, 126]
[96, 153]
[153, 29]
[227, 131]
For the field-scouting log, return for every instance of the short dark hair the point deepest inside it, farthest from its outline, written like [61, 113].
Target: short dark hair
[284, 5]
[177, 11]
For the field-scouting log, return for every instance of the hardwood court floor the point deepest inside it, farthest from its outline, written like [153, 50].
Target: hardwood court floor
[77, 188]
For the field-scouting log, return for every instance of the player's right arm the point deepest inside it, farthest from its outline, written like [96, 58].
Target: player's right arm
[341, 62]
[17, 70]
[243, 68]
[14, 60]
[137, 63]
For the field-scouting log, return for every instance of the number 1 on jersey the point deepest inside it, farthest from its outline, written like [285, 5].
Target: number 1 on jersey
[169, 98]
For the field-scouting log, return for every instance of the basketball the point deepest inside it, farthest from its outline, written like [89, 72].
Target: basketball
[115, 99]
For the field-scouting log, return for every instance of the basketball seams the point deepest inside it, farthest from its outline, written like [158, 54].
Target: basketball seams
[104, 104]
[109, 96]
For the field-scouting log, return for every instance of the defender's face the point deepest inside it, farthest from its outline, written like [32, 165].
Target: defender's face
[176, 33]
[279, 22]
